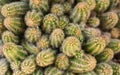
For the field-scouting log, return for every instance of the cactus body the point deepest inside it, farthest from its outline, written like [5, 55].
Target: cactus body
[63, 22]
[115, 33]
[107, 37]
[88, 73]
[93, 22]
[2, 2]
[69, 73]
[15, 65]
[67, 7]
[38, 72]
[113, 4]
[2, 27]
[18, 72]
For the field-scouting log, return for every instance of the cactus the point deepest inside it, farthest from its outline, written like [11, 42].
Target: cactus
[28, 66]
[114, 45]
[102, 5]
[3, 66]
[113, 4]
[8, 36]
[105, 56]
[107, 37]
[18, 72]
[32, 34]
[2, 27]
[14, 52]
[80, 13]
[91, 3]
[33, 18]
[82, 64]
[43, 42]
[93, 22]
[74, 30]
[3, 2]
[53, 71]
[14, 9]
[115, 33]
[62, 62]
[56, 38]
[38, 72]
[69, 73]
[39, 5]
[50, 22]
[95, 45]
[15, 65]
[45, 57]
[67, 7]
[103, 69]
[109, 20]
[88, 73]
[15, 24]
[70, 46]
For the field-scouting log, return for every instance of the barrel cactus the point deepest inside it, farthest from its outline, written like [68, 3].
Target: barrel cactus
[88, 73]
[15, 65]
[38, 72]
[18, 72]
[67, 7]
[93, 22]
[107, 37]
[115, 33]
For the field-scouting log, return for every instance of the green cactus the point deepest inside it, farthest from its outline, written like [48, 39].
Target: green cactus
[38, 72]
[43, 42]
[8, 36]
[3, 2]
[114, 45]
[68, 73]
[18, 72]
[80, 13]
[107, 37]
[105, 56]
[52, 71]
[57, 9]
[33, 18]
[32, 34]
[74, 30]
[3, 66]
[14, 52]
[63, 22]
[15, 65]
[70, 46]
[93, 22]
[81, 64]
[88, 73]
[91, 3]
[115, 33]
[67, 7]
[56, 38]
[95, 45]
[31, 48]
[14, 9]
[28, 66]
[45, 57]
[113, 4]
[41, 5]
[62, 62]
[15, 24]
[103, 69]
[102, 5]
[115, 67]
[50, 22]
[109, 20]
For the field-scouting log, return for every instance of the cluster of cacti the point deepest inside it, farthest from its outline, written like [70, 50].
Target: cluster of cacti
[59, 37]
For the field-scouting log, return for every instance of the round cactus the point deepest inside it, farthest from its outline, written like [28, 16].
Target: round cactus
[15, 24]
[114, 45]
[102, 5]
[41, 5]
[67, 7]
[18, 72]
[115, 32]
[38, 72]
[93, 22]
[15, 65]
[14, 9]
[50, 22]
[63, 22]
[53, 71]
[103, 69]
[95, 45]
[113, 4]
[88, 73]
[43, 42]
[57, 9]
[70, 46]
[105, 56]
[14, 52]
[74, 30]
[28, 66]
[82, 64]
[33, 18]
[62, 62]
[115, 67]
[109, 20]
[31, 48]
[45, 57]
[91, 3]
[80, 13]
[107, 37]
[3, 66]
[8, 36]
[32, 34]
[56, 38]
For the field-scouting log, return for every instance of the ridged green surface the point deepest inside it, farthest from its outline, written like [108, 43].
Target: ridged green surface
[15, 24]
[2, 2]
[80, 13]
[38, 72]
[33, 18]
[56, 38]
[14, 9]
[8, 36]
[95, 45]
[88, 73]
[18, 72]
[45, 57]
[93, 22]
[70, 46]
[67, 7]
[107, 37]
[15, 65]
[104, 69]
